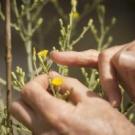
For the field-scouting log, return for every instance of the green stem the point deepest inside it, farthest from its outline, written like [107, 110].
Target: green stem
[130, 108]
[35, 68]
[101, 39]
[28, 45]
[85, 30]
[92, 79]
[3, 82]
[69, 31]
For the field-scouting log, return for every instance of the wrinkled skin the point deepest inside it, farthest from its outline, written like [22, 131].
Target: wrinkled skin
[116, 64]
[86, 114]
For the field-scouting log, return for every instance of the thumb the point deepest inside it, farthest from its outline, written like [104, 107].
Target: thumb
[126, 60]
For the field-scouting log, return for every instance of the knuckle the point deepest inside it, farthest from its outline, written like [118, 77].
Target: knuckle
[74, 80]
[28, 89]
[115, 58]
[131, 46]
[104, 55]
[106, 79]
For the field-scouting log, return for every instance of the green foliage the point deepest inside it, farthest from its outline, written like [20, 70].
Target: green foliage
[28, 21]
[103, 40]
[18, 78]
[66, 42]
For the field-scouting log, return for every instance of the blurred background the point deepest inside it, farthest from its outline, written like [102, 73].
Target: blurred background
[48, 34]
[46, 37]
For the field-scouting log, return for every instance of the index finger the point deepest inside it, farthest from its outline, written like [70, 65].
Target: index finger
[87, 58]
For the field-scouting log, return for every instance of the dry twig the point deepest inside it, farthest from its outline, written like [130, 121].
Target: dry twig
[8, 62]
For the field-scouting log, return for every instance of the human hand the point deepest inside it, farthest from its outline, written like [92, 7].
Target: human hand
[85, 114]
[116, 64]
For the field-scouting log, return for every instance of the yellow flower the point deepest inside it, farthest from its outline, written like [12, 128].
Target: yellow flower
[43, 53]
[57, 81]
[76, 15]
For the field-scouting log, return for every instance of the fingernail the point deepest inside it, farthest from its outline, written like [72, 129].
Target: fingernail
[127, 59]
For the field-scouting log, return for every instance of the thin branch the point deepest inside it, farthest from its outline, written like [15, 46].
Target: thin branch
[3, 82]
[1, 13]
[129, 109]
[85, 30]
[8, 62]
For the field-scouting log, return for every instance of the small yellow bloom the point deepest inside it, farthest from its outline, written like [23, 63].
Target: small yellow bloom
[57, 81]
[76, 15]
[43, 53]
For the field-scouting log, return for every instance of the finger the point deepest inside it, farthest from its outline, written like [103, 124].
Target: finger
[109, 79]
[51, 133]
[124, 62]
[46, 105]
[42, 80]
[78, 92]
[80, 59]
[22, 113]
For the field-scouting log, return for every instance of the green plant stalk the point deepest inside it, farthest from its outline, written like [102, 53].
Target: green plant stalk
[35, 68]
[92, 79]
[63, 70]
[18, 23]
[129, 109]
[69, 30]
[65, 39]
[100, 39]
[31, 13]
[28, 44]
[85, 30]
